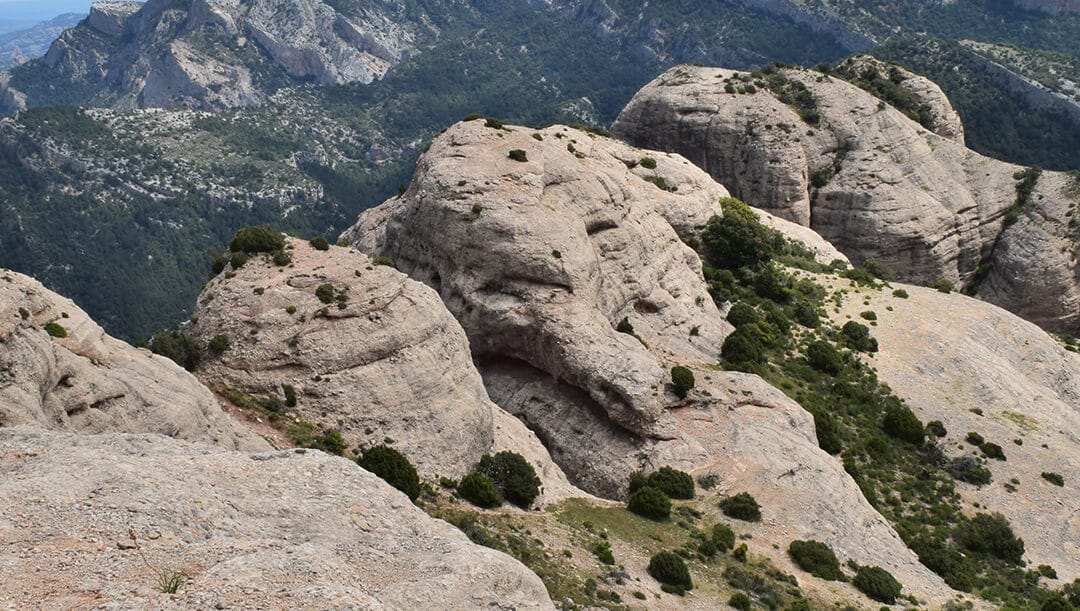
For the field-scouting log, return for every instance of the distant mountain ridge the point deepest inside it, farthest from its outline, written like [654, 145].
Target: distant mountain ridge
[21, 46]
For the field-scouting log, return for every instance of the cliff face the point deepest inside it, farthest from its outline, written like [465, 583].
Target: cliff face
[871, 181]
[222, 53]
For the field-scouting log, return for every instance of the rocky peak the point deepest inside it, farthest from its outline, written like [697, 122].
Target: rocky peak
[351, 344]
[223, 53]
[817, 150]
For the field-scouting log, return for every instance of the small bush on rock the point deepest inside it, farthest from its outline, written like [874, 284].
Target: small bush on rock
[742, 506]
[478, 489]
[816, 558]
[393, 468]
[857, 337]
[1054, 478]
[55, 329]
[991, 534]
[319, 243]
[670, 570]
[740, 601]
[683, 379]
[177, 346]
[518, 155]
[650, 503]
[218, 344]
[878, 584]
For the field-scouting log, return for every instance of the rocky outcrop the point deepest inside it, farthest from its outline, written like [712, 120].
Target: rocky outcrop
[976, 367]
[541, 259]
[364, 350]
[89, 382]
[283, 530]
[865, 177]
[222, 53]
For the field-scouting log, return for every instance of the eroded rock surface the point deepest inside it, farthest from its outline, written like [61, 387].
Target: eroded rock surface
[978, 368]
[89, 382]
[282, 530]
[872, 182]
[381, 358]
[541, 259]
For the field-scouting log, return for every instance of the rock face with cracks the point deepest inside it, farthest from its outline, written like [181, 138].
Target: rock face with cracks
[364, 350]
[874, 183]
[89, 382]
[541, 259]
[282, 530]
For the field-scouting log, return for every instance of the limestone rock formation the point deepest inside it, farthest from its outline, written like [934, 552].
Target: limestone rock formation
[282, 530]
[224, 53]
[23, 45]
[868, 179]
[89, 382]
[366, 351]
[978, 368]
[541, 259]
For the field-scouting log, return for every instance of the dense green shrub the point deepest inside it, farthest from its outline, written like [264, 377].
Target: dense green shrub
[683, 380]
[218, 344]
[637, 481]
[393, 467]
[723, 537]
[992, 450]
[518, 155]
[648, 163]
[742, 313]
[281, 258]
[602, 550]
[936, 428]
[877, 583]
[1054, 478]
[991, 534]
[258, 238]
[828, 432]
[805, 315]
[974, 438]
[900, 422]
[823, 357]
[478, 489]
[514, 478]
[857, 337]
[331, 442]
[383, 260]
[177, 346]
[650, 503]
[238, 259]
[669, 569]
[742, 506]
[672, 482]
[742, 347]
[1056, 603]
[55, 329]
[319, 243]
[740, 601]
[900, 294]
[738, 239]
[879, 269]
[325, 293]
[816, 558]
[967, 469]
[624, 326]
